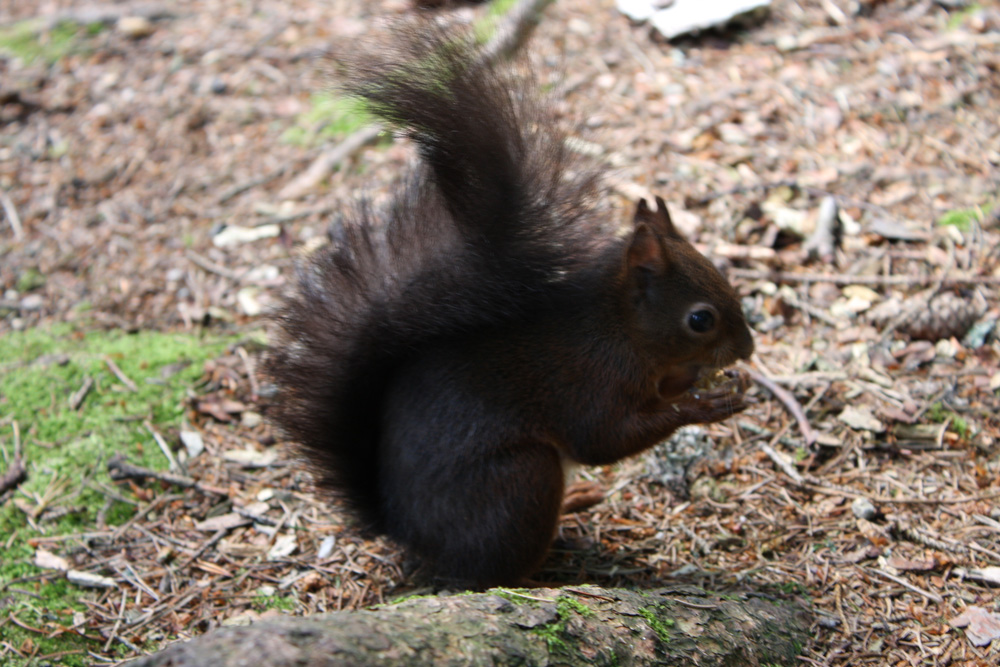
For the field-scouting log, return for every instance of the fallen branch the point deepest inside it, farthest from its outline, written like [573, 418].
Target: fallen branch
[76, 399]
[788, 400]
[120, 469]
[574, 626]
[328, 160]
[210, 266]
[16, 474]
[10, 211]
[120, 374]
[240, 188]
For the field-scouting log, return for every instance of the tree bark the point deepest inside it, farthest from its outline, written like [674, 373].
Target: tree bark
[583, 625]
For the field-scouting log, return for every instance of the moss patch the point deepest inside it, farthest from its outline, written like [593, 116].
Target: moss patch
[554, 633]
[567, 606]
[65, 451]
[329, 117]
[264, 602]
[963, 218]
[25, 40]
[660, 625]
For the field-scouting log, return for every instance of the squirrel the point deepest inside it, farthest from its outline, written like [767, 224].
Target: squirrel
[445, 354]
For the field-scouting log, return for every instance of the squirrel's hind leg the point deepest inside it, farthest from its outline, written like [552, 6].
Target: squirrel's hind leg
[484, 520]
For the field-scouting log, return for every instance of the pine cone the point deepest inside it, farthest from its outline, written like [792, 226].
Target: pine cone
[948, 314]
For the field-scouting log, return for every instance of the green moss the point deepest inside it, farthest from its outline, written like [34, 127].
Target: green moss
[791, 588]
[660, 625]
[959, 425]
[30, 279]
[567, 606]
[515, 595]
[51, 610]
[484, 28]
[328, 118]
[553, 633]
[63, 448]
[27, 41]
[962, 218]
[68, 649]
[500, 7]
[262, 602]
[958, 18]
[404, 598]
[36, 385]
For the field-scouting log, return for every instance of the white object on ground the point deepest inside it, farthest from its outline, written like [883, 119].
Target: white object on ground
[684, 16]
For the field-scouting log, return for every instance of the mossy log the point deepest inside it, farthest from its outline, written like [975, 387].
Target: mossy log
[583, 625]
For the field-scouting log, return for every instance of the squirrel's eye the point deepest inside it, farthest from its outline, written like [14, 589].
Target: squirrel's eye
[701, 320]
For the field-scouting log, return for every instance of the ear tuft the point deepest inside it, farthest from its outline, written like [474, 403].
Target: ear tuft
[659, 220]
[645, 250]
[642, 210]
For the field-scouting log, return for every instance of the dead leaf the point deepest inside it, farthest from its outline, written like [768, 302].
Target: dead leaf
[222, 522]
[861, 418]
[909, 565]
[988, 574]
[283, 547]
[221, 406]
[251, 458]
[983, 626]
[193, 442]
[212, 568]
[876, 534]
[865, 552]
[50, 561]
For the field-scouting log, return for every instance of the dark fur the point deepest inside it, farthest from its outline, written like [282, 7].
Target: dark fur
[438, 361]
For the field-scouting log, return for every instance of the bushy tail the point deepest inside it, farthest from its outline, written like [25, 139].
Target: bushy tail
[483, 231]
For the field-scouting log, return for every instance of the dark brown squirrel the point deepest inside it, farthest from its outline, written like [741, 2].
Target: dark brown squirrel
[444, 355]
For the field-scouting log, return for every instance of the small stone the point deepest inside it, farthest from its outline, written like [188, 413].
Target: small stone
[861, 292]
[946, 348]
[32, 302]
[250, 419]
[236, 235]
[864, 509]
[135, 27]
[248, 302]
[326, 547]
[861, 418]
[283, 547]
[192, 442]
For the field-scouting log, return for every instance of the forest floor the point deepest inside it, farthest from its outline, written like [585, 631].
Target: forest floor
[152, 192]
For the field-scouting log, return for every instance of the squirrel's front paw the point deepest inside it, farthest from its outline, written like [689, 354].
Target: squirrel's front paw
[581, 495]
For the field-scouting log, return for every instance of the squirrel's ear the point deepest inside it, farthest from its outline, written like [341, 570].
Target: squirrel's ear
[645, 250]
[659, 220]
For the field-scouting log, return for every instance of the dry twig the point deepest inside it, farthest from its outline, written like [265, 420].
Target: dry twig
[120, 374]
[119, 469]
[12, 217]
[16, 471]
[792, 405]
